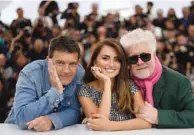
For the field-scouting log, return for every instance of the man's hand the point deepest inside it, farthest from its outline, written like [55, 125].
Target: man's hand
[149, 113]
[54, 79]
[99, 122]
[40, 124]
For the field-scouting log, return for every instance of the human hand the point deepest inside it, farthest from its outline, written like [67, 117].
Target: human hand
[53, 76]
[40, 124]
[99, 73]
[149, 113]
[99, 122]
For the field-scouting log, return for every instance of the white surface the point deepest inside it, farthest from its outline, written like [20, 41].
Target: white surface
[9, 129]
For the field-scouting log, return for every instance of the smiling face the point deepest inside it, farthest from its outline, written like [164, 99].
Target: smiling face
[108, 59]
[66, 65]
[141, 69]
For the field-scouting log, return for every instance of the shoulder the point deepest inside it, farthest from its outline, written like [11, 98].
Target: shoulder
[79, 74]
[80, 69]
[133, 87]
[85, 90]
[35, 66]
[174, 80]
[173, 75]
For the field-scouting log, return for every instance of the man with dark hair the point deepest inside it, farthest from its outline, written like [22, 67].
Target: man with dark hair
[45, 96]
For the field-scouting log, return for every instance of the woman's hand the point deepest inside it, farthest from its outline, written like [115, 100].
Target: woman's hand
[99, 122]
[99, 73]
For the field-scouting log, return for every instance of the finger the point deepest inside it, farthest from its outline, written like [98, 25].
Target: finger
[50, 66]
[55, 71]
[32, 124]
[141, 115]
[40, 127]
[96, 116]
[147, 104]
[90, 120]
[28, 123]
[98, 70]
[141, 108]
[92, 69]
[102, 70]
[91, 126]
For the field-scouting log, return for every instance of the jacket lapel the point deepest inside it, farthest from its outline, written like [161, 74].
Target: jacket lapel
[158, 90]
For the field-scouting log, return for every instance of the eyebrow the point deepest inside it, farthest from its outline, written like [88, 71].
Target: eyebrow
[109, 56]
[65, 61]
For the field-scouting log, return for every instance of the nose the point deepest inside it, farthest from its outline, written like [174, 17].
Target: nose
[111, 62]
[66, 69]
[139, 62]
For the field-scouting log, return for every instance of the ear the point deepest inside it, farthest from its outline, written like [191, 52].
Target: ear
[79, 60]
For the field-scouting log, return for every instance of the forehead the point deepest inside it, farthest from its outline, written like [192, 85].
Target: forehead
[108, 50]
[65, 56]
[138, 48]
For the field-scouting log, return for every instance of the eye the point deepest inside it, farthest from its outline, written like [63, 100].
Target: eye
[73, 64]
[105, 58]
[118, 59]
[59, 62]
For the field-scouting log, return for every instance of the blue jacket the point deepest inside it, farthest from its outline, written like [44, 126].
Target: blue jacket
[36, 97]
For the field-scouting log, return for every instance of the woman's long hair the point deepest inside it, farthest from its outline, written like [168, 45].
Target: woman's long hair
[121, 83]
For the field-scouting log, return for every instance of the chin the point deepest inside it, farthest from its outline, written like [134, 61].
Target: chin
[111, 75]
[66, 82]
[142, 74]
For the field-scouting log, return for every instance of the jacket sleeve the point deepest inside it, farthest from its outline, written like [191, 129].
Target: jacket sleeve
[27, 105]
[70, 115]
[66, 117]
[183, 118]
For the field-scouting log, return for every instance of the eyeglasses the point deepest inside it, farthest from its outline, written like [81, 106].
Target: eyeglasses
[143, 56]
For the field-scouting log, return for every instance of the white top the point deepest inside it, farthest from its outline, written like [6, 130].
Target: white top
[10, 129]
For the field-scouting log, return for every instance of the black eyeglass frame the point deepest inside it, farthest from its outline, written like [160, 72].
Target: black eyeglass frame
[145, 57]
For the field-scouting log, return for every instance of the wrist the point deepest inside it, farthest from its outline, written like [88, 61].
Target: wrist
[156, 122]
[60, 89]
[107, 81]
[112, 126]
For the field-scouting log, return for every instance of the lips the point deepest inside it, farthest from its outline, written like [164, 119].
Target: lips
[65, 76]
[109, 70]
[142, 68]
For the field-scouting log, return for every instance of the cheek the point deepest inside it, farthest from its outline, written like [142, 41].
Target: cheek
[101, 64]
[58, 71]
[132, 67]
[118, 65]
[73, 71]
[151, 64]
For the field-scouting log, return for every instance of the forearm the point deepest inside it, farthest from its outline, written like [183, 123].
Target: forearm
[27, 107]
[183, 116]
[105, 105]
[173, 119]
[65, 118]
[132, 124]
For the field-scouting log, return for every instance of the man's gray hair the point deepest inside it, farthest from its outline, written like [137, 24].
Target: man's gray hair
[138, 36]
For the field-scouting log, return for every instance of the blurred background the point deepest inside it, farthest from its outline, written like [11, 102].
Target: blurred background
[26, 28]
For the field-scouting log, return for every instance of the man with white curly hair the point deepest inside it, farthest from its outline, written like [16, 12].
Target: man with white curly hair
[168, 94]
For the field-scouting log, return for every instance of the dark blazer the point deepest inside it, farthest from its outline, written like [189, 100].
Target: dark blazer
[174, 100]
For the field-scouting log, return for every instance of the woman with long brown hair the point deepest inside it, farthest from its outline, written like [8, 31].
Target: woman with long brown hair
[108, 95]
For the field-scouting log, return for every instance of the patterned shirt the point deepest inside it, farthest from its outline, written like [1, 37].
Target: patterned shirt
[96, 96]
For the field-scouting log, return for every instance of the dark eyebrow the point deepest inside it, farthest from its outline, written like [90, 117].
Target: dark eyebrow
[59, 61]
[106, 55]
[117, 57]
